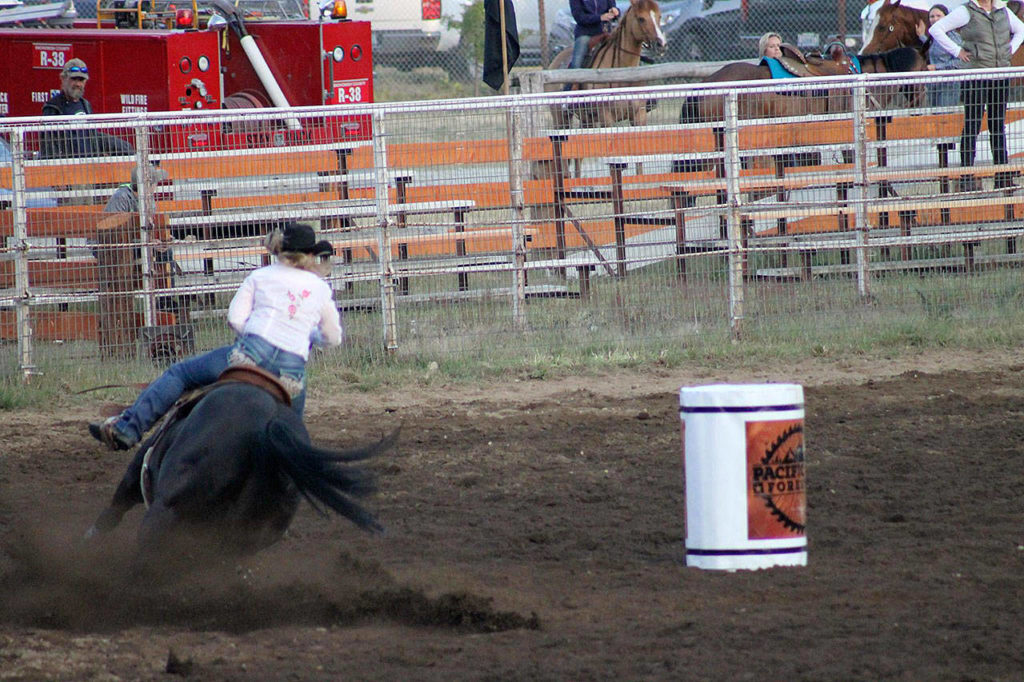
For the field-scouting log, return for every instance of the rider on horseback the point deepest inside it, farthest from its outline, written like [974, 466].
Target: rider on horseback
[593, 18]
[276, 312]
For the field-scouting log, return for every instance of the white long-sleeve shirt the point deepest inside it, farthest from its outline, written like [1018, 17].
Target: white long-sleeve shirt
[958, 18]
[284, 305]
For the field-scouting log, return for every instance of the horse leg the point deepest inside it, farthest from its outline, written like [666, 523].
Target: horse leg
[162, 550]
[127, 495]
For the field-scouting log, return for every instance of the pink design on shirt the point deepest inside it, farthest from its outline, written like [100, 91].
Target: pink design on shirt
[296, 302]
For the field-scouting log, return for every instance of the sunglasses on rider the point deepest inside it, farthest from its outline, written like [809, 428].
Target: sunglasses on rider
[78, 69]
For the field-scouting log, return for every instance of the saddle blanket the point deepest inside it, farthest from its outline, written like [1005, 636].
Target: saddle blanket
[776, 68]
[791, 68]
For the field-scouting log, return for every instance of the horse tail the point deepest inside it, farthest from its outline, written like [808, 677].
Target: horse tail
[320, 476]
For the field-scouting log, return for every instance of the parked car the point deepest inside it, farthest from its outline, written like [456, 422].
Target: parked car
[730, 29]
[719, 30]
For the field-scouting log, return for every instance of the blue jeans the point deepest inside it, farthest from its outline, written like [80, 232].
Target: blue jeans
[159, 396]
[579, 54]
[579, 51]
[203, 370]
[291, 368]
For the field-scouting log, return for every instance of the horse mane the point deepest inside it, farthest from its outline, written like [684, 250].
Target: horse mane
[896, 59]
[901, 59]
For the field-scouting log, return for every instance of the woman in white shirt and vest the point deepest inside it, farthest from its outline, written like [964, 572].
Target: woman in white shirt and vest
[991, 33]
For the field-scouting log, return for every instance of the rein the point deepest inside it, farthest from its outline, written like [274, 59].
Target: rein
[139, 386]
[615, 42]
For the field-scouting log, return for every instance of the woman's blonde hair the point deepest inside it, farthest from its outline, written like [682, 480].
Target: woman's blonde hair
[762, 44]
[274, 244]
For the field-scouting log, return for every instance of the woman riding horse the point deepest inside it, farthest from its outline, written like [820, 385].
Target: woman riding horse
[640, 26]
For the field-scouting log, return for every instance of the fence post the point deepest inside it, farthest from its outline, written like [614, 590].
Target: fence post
[619, 219]
[737, 253]
[860, 166]
[559, 190]
[515, 171]
[147, 211]
[387, 273]
[20, 238]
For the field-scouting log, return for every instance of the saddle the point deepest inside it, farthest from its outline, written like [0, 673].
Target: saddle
[246, 374]
[592, 47]
[791, 51]
[258, 377]
[817, 66]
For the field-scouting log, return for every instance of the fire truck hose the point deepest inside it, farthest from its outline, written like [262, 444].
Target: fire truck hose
[259, 64]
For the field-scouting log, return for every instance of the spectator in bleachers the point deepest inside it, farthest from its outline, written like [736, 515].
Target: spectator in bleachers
[71, 101]
[125, 198]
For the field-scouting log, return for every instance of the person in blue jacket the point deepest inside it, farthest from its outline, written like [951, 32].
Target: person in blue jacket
[592, 19]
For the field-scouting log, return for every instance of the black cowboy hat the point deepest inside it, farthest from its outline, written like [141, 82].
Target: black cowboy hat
[301, 238]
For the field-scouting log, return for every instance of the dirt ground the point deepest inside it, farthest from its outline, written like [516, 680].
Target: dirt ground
[535, 531]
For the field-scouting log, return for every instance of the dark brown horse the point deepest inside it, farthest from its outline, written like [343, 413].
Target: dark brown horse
[831, 100]
[896, 26]
[640, 26]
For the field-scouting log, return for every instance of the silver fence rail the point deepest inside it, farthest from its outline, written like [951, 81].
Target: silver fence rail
[500, 227]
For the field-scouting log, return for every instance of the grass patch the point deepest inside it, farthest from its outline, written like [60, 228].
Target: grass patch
[649, 319]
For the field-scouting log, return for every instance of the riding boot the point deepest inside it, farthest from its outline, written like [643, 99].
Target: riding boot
[1004, 180]
[107, 433]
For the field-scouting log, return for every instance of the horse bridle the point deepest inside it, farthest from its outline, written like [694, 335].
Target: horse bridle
[619, 32]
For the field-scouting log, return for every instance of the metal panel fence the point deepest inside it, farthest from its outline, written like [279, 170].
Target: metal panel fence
[475, 229]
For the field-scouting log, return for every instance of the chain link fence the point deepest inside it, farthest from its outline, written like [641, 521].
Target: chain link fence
[474, 230]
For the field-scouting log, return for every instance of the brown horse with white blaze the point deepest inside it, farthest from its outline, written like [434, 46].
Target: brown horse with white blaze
[639, 27]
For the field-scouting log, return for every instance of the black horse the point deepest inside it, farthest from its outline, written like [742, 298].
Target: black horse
[225, 477]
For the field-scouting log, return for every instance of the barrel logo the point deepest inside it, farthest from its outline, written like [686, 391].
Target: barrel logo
[776, 495]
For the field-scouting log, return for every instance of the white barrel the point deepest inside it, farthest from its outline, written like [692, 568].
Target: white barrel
[743, 452]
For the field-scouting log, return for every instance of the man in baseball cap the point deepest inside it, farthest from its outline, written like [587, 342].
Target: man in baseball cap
[71, 101]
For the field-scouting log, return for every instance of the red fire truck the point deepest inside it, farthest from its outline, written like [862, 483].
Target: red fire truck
[158, 55]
